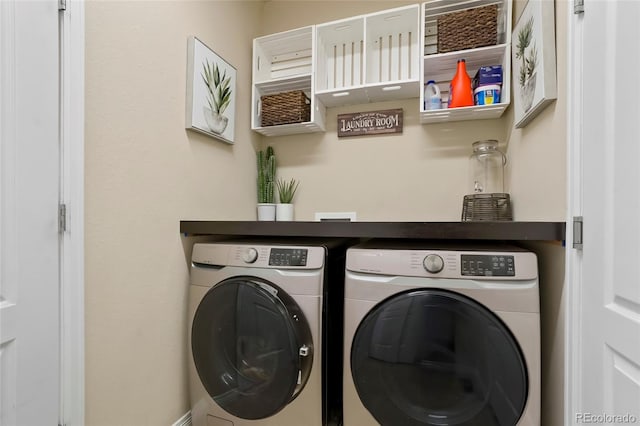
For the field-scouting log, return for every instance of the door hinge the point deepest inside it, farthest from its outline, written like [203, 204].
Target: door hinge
[578, 7]
[62, 218]
[62, 4]
[577, 232]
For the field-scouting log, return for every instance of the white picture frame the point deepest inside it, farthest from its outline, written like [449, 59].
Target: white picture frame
[534, 61]
[211, 92]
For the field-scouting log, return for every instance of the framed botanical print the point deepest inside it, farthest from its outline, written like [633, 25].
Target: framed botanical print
[534, 60]
[211, 92]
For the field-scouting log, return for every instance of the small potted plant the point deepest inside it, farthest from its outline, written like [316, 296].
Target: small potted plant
[286, 191]
[266, 177]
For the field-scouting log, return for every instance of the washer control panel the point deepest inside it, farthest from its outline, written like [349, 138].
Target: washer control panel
[288, 257]
[258, 255]
[495, 265]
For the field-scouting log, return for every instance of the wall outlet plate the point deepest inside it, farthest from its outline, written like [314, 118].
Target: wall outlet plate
[335, 216]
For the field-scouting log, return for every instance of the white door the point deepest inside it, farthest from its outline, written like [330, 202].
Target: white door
[608, 326]
[29, 194]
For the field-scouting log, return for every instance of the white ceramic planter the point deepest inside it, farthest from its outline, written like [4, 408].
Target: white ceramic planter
[216, 122]
[266, 211]
[284, 212]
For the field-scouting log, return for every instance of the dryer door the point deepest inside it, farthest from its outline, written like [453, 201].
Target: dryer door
[434, 357]
[251, 346]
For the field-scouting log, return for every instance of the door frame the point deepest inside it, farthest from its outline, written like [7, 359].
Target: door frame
[573, 257]
[72, 35]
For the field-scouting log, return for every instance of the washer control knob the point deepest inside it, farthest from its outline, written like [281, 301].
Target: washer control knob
[250, 255]
[433, 263]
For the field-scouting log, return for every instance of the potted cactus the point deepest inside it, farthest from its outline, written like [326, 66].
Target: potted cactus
[286, 191]
[266, 162]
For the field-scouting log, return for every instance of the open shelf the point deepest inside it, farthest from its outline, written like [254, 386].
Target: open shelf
[441, 67]
[381, 56]
[484, 230]
[369, 58]
[284, 54]
[283, 62]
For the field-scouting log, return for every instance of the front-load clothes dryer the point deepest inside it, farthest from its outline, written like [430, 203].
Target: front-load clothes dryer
[441, 336]
[257, 333]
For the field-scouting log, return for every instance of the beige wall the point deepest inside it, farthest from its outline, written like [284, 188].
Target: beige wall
[538, 153]
[144, 173]
[422, 174]
[552, 326]
[537, 174]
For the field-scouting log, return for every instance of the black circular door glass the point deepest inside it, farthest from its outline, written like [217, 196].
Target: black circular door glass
[246, 341]
[435, 357]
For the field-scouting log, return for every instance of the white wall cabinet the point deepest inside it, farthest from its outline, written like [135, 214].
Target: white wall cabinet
[371, 58]
[441, 67]
[281, 63]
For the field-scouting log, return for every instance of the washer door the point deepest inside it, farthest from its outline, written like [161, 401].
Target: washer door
[434, 357]
[252, 347]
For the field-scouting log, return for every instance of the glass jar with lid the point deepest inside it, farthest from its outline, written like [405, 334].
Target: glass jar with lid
[486, 168]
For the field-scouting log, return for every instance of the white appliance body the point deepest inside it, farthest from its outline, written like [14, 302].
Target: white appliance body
[272, 296]
[459, 345]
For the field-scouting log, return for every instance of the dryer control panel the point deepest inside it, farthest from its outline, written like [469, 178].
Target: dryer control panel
[463, 264]
[497, 265]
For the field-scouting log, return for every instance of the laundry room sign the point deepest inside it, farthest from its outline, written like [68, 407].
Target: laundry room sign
[370, 123]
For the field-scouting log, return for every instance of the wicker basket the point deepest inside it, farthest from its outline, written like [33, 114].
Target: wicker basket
[468, 29]
[285, 108]
[486, 207]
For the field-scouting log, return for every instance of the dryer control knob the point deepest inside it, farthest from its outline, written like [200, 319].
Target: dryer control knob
[250, 255]
[433, 263]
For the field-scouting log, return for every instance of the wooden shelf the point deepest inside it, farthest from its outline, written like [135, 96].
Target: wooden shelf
[505, 231]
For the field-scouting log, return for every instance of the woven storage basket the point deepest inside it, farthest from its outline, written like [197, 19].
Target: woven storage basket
[285, 108]
[468, 29]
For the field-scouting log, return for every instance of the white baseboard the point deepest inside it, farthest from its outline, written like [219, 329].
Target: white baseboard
[184, 420]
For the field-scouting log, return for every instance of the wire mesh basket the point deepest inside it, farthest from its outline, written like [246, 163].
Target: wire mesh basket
[486, 207]
[468, 29]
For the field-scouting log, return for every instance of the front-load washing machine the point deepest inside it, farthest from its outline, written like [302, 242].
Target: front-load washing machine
[441, 335]
[258, 333]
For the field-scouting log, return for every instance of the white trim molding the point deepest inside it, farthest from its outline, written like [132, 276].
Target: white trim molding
[72, 34]
[573, 258]
[184, 420]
